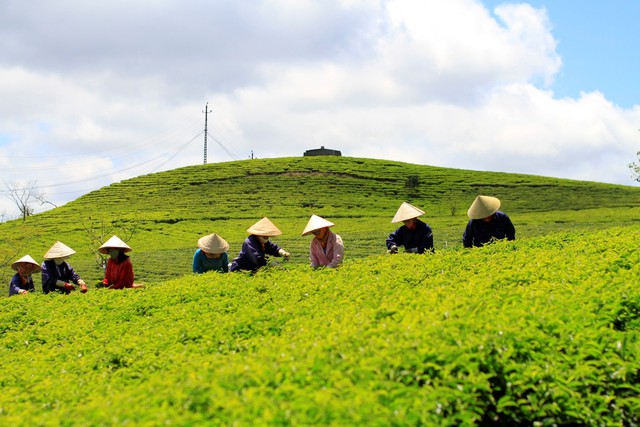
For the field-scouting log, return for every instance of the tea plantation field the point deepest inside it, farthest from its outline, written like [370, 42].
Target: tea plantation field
[542, 331]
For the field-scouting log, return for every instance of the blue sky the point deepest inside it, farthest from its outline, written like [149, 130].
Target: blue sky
[598, 43]
[97, 92]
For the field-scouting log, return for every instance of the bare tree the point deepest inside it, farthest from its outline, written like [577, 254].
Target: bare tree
[635, 168]
[14, 245]
[24, 196]
[98, 231]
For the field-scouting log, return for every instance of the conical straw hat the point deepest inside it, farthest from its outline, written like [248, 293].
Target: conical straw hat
[27, 260]
[115, 243]
[483, 206]
[59, 250]
[213, 244]
[407, 211]
[264, 227]
[316, 223]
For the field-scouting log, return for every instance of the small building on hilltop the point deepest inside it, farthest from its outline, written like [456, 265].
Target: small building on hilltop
[322, 152]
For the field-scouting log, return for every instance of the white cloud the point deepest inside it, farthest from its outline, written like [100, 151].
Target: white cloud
[110, 90]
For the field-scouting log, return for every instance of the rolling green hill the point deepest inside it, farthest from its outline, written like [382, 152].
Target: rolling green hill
[168, 211]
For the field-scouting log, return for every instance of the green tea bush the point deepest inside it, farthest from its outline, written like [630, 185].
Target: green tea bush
[539, 331]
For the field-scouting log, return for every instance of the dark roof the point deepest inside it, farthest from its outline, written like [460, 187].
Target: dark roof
[322, 152]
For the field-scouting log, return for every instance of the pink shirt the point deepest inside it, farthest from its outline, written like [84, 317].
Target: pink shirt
[331, 256]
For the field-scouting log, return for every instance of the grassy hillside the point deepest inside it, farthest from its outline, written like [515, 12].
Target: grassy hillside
[168, 211]
[541, 331]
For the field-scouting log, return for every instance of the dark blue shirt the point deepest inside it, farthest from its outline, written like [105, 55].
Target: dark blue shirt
[252, 255]
[15, 286]
[479, 232]
[418, 240]
[51, 273]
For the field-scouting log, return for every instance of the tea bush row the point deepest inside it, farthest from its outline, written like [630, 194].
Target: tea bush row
[540, 331]
[164, 251]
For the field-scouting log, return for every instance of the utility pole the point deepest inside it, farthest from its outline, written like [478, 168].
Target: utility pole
[206, 113]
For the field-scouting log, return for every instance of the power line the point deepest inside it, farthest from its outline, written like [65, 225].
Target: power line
[224, 148]
[121, 154]
[91, 178]
[176, 153]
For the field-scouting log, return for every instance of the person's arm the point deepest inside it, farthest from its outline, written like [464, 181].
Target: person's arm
[338, 252]
[197, 264]
[275, 250]
[271, 248]
[467, 236]
[394, 240]
[313, 253]
[28, 286]
[108, 280]
[510, 230]
[14, 285]
[225, 262]
[75, 278]
[426, 243]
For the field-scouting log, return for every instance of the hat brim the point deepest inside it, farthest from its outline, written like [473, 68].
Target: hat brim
[105, 249]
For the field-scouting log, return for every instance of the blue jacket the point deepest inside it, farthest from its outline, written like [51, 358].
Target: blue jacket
[418, 240]
[252, 256]
[51, 273]
[479, 232]
[16, 284]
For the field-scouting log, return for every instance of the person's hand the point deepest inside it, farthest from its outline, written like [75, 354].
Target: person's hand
[284, 253]
[22, 291]
[68, 286]
[83, 288]
[393, 249]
